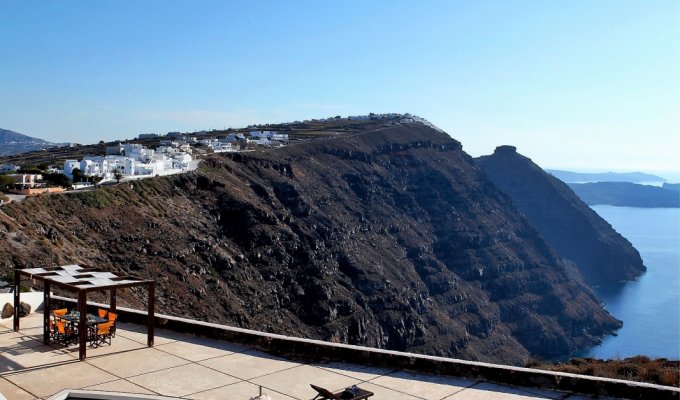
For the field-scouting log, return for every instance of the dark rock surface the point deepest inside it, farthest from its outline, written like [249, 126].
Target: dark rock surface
[572, 228]
[391, 238]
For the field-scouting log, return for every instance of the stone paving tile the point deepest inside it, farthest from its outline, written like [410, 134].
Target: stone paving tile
[140, 337]
[13, 392]
[295, 382]
[136, 362]
[119, 344]
[25, 355]
[249, 364]
[385, 393]
[197, 349]
[120, 385]
[183, 380]
[15, 339]
[240, 390]
[128, 327]
[551, 394]
[491, 391]
[361, 372]
[44, 382]
[218, 374]
[35, 332]
[430, 387]
[27, 322]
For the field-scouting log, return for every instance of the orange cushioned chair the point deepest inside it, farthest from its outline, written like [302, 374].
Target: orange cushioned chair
[102, 313]
[112, 319]
[102, 335]
[65, 334]
[60, 312]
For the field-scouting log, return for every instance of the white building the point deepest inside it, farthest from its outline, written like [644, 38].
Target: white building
[279, 137]
[132, 159]
[27, 180]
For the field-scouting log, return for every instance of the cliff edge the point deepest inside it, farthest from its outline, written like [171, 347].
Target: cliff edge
[389, 237]
[569, 226]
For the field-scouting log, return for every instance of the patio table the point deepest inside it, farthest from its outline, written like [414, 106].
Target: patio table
[74, 318]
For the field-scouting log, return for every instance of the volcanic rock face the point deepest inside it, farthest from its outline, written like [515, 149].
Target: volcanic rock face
[569, 226]
[391, 238]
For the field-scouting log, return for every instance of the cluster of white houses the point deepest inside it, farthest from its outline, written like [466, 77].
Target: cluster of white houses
[170, 157]
[227, 144]
[130, 159]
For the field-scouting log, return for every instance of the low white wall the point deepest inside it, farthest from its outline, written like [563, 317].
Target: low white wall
[34, 299]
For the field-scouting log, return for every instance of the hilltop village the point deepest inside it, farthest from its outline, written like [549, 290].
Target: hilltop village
[151, 155]
[175, 154]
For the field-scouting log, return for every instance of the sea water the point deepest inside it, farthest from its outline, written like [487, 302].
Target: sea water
[650, 306]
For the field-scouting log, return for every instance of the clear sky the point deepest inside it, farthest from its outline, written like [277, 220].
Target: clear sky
[580, 84]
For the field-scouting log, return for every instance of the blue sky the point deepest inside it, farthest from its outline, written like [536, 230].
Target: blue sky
[588, 85]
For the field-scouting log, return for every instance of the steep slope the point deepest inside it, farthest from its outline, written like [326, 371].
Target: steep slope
[391, 238]
[14, 143]
[566, 222]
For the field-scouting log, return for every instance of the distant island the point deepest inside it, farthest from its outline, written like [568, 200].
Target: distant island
[16, 143]
[627, 194]
[671, 186]
[582, 177]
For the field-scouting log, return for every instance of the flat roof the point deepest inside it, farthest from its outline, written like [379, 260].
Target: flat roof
[191, 367]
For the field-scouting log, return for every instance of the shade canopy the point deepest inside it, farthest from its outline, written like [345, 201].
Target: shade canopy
[77, 278]
[81, 280]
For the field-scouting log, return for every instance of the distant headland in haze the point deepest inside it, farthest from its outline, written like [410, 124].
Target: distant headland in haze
[15, 143]
[623, 189]
[582, 177]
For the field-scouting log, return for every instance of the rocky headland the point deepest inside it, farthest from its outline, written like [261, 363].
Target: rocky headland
[567, 224]
[392, 238]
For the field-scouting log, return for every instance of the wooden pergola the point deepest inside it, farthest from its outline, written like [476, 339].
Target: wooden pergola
[81, 280]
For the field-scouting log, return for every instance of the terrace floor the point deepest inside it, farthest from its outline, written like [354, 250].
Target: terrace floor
[190, 367]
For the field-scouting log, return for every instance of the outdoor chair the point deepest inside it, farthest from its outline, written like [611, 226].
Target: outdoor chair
[102, 312]
[112, 318]
[101, 334]
[65, 334]
[52, 330]
[60, 312]
[351, 393]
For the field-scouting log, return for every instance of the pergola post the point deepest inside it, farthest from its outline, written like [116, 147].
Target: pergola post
[82, 323]
[112, 303]
[17, 299]
[150, 313]
[47, 310]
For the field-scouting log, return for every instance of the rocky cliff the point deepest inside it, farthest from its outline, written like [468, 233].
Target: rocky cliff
[391, 238]
[574, 230]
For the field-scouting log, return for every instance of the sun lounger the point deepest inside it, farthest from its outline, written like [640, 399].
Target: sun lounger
[351, 393]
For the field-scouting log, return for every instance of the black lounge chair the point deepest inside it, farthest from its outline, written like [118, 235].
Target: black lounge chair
[351, 393]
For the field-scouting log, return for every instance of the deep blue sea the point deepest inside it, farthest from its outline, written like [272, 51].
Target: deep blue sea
[650, 306]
